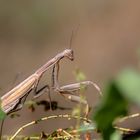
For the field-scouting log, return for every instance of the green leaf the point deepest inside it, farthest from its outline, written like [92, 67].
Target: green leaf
[2, 114]
[128, 83]
[116, 136]
[124, 89]
[112, 106]
[135, 139]
[80, 76]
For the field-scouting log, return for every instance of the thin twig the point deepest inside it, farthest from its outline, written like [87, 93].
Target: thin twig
[47, 118]
[62, 116]
[68, 134]
[125, 129]
[22, 137]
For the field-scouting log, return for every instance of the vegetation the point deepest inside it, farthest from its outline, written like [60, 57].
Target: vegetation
[113, 108]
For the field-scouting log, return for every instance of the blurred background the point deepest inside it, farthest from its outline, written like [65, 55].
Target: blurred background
[32, 32]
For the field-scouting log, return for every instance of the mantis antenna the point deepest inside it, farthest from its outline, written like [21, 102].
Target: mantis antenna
[71, 38]
[72, 34]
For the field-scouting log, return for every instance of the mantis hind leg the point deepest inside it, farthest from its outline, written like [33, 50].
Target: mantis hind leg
[39, 93]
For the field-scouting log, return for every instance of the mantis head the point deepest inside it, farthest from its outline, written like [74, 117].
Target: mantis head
[69, 54]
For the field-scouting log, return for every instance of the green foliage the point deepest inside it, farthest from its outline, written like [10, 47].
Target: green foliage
[116, 136]
[121, 91]
[128, 83]
[113, 105]
[124, 89]
[80, 76]
[2, 114]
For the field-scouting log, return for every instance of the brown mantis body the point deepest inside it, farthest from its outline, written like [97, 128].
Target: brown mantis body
[11, 100]
[14, 99]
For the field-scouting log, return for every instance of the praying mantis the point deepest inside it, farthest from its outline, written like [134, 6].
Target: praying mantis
[15, 98]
